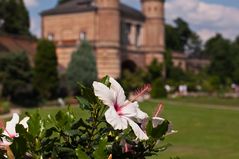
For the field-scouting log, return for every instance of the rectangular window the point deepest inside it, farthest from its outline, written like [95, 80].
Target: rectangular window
[137, 36]
[50, 36]
[83, 35]
[127, 32]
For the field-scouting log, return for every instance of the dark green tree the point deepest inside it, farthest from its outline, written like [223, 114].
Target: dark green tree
[181, 38]
[158, 89]
[45, 71]
[24, 18]
[172, 38]
[220, 52]
[16, 79]
[154, 70]
[82, 67]
[15, 17]
[235, 60]
[2, 14]
[170, 71]
[168, 64]
[63, 1]
[184, 32]
[194, 45]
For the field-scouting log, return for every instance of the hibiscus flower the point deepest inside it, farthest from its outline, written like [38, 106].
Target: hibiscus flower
[121, 112]
[10, 129]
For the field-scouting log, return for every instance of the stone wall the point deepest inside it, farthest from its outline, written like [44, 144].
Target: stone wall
[108, 62]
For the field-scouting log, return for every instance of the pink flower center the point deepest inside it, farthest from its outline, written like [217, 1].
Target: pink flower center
[10, 135]
[117, 109]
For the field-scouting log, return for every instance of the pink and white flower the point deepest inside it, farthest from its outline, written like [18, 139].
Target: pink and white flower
[121, 112]
[10, 129]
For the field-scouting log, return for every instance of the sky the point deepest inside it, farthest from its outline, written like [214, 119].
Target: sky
[206, 17]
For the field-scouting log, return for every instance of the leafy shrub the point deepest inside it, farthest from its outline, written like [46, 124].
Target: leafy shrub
[158, 89]
[82, 67]
[154, 70]
[211, 84]
[16, 79]
[63, 88]
[68, 135]
[46, 79]
[132, 81]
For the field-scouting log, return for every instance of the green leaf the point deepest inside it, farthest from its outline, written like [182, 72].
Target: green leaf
[72, 132]
[64, 120]
[65, 152]
[35, 124]
[100, 151]
[17, 146]
[106, 81]
[83, 103]
[50, 131]
[59, 116]
[149, 127]
[87, 94]
[159, 131]
[21, 130]
[80, 123]
[80, 154]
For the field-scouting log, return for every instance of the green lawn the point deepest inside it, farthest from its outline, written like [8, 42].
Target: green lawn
[208, 127]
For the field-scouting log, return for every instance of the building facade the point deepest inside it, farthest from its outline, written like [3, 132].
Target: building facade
[117, 32]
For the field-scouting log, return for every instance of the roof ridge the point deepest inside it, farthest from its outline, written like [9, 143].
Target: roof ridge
[72, 7]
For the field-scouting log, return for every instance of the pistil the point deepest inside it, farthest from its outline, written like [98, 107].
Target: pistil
[159, 110]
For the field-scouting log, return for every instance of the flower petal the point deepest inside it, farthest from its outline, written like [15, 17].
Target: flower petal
[115, 120]
[140, 114]
[157, 121]
[129, 110]
[23, 122]
[170, 130]
[137, 130]
[119, 92]
[104, 93]
[5, 142]
[10, 129]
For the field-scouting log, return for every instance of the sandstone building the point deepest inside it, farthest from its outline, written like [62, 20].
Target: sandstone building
[118, 33]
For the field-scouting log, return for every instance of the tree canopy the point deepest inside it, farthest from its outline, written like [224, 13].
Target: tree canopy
[46, 78]
[16, 79]
[82, 67]
[14, 17]
[224, 56]
[181, 38]
[62, 1]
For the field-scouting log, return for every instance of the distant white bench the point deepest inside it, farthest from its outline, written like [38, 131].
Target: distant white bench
[61, 102]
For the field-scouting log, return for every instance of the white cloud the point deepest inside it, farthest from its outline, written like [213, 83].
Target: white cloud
[205, 34]
[31, 3]
[35, 26]
[207, 19]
